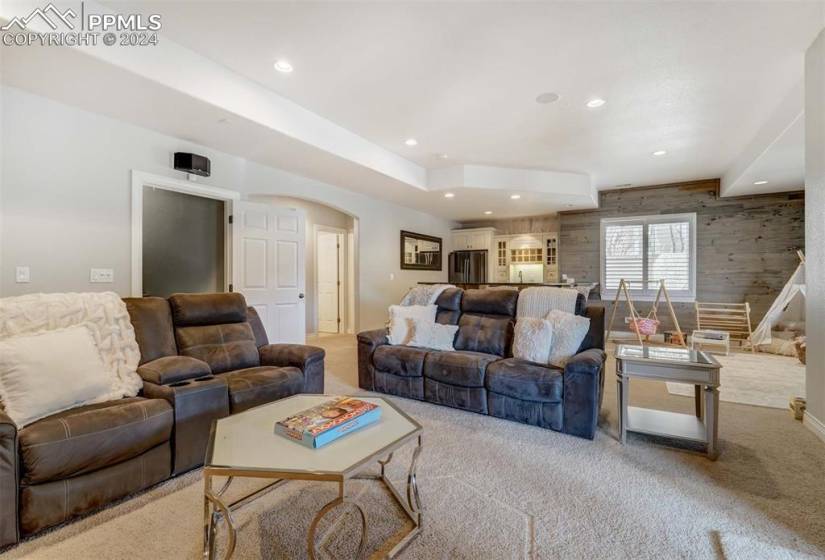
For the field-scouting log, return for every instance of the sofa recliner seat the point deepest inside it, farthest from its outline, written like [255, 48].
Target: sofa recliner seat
[482, 375]
[72, 461]
[208, 359]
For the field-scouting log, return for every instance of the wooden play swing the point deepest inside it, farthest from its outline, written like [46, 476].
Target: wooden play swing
[646, 325]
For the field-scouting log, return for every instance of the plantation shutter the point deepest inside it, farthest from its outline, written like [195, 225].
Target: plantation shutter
[624, 255]
[647, 249]
[668, 255]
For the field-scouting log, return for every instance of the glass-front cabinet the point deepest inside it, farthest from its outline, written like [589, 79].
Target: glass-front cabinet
[501, 259]
[551, 257]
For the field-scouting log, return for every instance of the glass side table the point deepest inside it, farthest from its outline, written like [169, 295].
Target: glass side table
[678, 365]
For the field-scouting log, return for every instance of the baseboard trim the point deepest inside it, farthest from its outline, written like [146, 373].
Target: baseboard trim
[815, 425]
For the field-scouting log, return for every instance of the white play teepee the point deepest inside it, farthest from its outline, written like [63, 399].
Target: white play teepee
[791, 298]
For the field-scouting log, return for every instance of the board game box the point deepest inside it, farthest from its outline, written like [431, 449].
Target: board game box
[328, 421]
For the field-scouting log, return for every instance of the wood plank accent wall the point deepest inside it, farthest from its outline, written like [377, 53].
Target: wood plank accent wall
[746, 246]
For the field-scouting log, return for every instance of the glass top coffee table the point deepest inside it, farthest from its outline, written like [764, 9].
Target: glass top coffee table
[245, 445]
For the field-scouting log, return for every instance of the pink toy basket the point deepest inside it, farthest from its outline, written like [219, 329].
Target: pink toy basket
[644, 326]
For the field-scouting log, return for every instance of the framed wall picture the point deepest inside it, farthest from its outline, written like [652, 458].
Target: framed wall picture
[420, 252]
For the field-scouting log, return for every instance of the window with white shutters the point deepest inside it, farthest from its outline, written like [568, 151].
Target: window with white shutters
[644, 250]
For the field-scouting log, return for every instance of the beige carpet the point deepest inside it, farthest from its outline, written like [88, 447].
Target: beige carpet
[495, 489]
[758, 379]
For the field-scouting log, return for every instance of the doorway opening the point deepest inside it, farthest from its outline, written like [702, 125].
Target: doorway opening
[330, 269]
[184, 243]
[181, 237]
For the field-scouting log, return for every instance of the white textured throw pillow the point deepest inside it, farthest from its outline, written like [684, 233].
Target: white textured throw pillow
[428, 334]
[533, 340]
[51, 371]
[400, 332]
[569, 331]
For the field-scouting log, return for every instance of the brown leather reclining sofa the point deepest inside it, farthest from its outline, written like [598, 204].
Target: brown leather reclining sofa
[203, 356]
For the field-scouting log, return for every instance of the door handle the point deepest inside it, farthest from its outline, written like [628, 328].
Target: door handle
[301, 296]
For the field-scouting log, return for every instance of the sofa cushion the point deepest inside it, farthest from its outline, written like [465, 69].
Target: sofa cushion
[207, 309]
[486, 334]
[91, 437]
[449, 306]
[404, 361]
[525, 380]
[463, 369]
[490, 302]
[224, 347]
[151, 318]
[255, 386]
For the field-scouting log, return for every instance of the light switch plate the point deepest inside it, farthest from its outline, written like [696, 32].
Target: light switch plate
[102, 275]
[22, 275]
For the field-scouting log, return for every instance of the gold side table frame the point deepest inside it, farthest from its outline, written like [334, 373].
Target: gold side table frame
[217, 509]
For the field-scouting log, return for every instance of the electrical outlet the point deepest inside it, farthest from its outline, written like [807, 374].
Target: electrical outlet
[102, 275]
[22, 275]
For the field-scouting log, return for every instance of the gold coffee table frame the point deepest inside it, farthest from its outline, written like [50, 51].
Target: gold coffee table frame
[216, 508]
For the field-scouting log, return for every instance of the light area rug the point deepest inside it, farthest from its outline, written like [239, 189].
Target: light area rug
[756, 379]
[493, 489]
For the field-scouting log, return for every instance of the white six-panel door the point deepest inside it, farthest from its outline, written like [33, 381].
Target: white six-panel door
[328, 269]
[268, 267]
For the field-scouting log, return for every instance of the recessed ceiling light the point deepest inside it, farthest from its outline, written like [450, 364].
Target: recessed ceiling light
[443, 156]
[515, 196]
[411, 142]
[488, 212]
[548, 97]
[760, 182]
[660, 152]
[596, 102]
[283, 66]
[449, 195]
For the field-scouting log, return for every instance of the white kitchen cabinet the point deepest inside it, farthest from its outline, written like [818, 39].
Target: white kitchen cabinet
[501, 258]
[478, 239]
[551, 257]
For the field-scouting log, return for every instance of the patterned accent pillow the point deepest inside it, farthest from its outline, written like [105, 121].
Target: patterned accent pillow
[533, 340]
[429, 334]
[399, 332]
[569, 331]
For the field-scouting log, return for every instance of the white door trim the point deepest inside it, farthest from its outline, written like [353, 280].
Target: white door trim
[142, 179]
[343, 289]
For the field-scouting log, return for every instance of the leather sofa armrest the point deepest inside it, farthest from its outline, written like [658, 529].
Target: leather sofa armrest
[374, 338]
[172, 369]
[309, 359]
[368, 341]
[9, 477]
[196, 404]
[583, 384]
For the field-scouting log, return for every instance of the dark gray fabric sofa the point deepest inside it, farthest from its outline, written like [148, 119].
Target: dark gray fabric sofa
[482, 375]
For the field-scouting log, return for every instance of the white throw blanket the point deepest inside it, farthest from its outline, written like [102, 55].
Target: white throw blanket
[104, 313]
[424, 294]
[538, 301]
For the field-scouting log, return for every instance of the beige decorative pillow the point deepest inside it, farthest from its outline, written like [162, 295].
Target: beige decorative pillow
[533, 340]
[429, 334]
[48, 372]
[569, 331]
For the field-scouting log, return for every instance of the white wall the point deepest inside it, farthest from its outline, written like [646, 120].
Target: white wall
[316, 215]
[815, 230]
[66, 202]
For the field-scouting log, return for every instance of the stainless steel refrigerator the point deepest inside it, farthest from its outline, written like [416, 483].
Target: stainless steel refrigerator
[468, 267]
